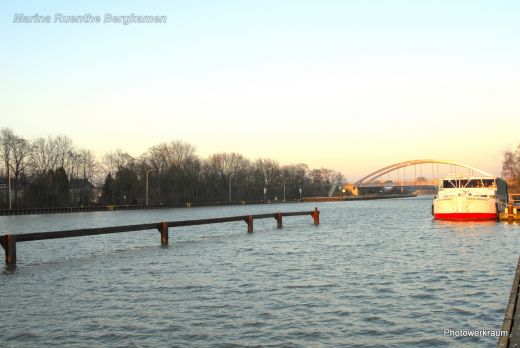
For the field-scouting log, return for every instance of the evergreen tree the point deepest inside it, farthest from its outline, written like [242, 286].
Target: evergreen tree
[126, 187]
[107, 194]
[60, 188]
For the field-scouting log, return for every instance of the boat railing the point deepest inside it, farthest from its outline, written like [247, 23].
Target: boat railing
[514, 199]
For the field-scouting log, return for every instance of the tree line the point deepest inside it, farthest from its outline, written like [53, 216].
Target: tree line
[511, 169]
[52, 172]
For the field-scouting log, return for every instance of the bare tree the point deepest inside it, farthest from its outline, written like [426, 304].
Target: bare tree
[6, 143]
[223, 169]
[20, 153]
[63, 148]
[172, 154]
[88, 171]
[268, 175]
[87, 164]
[511, 169]
[44, 155]
[227, 163]
[270, 170]
[116, 160]
[48, 167]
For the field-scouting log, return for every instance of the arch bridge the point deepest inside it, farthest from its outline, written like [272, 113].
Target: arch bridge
[420, 176]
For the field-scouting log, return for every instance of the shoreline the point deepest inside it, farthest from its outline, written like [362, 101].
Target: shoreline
[61, 210]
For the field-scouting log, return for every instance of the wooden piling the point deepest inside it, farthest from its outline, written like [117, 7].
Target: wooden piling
[278, 220]
[10, 249]
[316, 216]
[249, 221]
[163, 228]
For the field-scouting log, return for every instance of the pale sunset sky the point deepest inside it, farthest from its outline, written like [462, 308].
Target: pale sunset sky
[348, 85]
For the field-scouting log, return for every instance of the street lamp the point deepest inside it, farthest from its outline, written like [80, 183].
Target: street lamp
[148, 171]
[9, 185]
[230, 176]
[284, 188]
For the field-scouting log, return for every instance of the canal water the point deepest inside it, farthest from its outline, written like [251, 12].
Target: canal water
[374, 273]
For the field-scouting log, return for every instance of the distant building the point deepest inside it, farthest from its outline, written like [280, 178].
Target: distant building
[83, 192]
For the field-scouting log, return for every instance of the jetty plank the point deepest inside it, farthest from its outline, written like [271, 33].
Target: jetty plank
[84, 232]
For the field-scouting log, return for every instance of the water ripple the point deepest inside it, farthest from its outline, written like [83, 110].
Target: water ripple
[392, 279]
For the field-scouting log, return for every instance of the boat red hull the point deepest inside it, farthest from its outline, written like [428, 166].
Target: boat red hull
[465, 216]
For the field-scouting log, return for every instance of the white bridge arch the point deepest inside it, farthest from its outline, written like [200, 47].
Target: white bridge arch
[396, 166]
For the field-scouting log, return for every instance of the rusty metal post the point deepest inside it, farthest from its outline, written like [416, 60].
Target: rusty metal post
[316, 216]
[510, 216]
[164, 233]
[10, 248]
[249, 220]
[279, 220]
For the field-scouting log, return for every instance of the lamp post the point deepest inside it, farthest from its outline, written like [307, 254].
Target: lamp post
[284, 188]
[148, 171]
[230, 176]
[9, 185]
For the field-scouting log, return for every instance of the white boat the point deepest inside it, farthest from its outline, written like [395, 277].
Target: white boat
[470, 198]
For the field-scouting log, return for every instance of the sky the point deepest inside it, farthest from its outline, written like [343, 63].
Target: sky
[348, 85]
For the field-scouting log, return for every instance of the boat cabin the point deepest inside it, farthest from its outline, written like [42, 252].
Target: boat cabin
[468, 183]
[499, 186]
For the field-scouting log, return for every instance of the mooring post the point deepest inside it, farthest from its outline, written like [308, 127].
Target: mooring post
[249, 220]
[10, 248]
[510, 216]
[164, 233]
[316, 216]
[279, 220]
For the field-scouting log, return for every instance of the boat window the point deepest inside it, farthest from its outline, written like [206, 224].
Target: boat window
[475, 183]
[488, 182]
[448, 184]
[468, 183]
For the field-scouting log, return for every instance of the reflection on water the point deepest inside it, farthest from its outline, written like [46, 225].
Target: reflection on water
[468, 228]
[374, 273]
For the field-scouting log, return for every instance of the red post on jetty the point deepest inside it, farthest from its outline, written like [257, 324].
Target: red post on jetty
[249, 220]
[279, 220]
[9, 245]
[316, 216]
[163, 228]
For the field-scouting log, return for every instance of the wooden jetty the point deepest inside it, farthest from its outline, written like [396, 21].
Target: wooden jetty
[511, 213]
[512, 317]
[9, 241]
